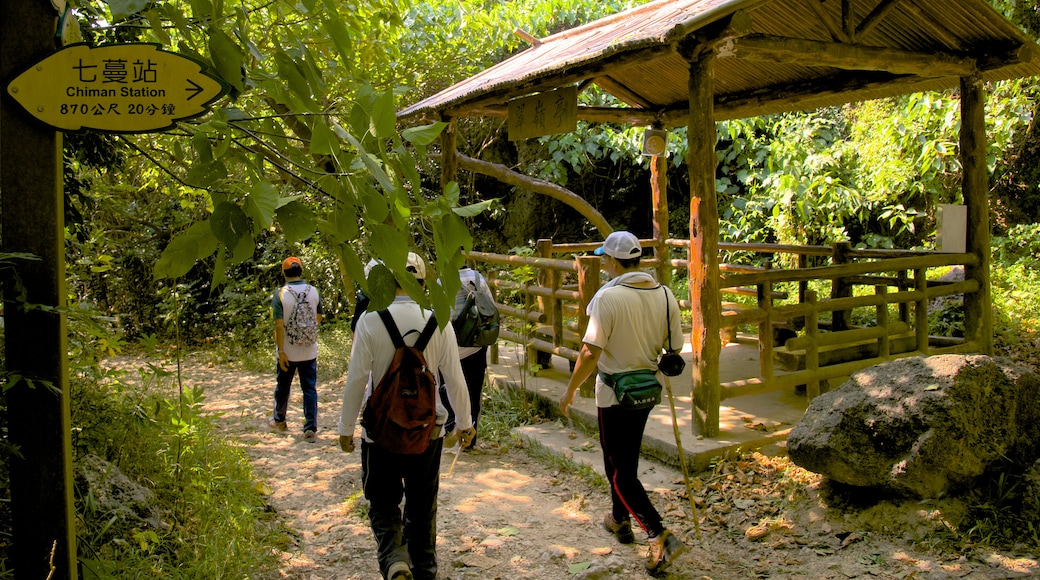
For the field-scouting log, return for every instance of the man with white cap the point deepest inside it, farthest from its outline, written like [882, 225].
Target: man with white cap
[629, 323]
[406, 546]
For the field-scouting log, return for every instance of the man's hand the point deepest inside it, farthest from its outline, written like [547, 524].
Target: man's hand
[283, 360]
[566, 401]
[466, 436]
[346, 443]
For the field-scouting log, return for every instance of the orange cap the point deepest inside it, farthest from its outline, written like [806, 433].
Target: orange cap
[290, 262]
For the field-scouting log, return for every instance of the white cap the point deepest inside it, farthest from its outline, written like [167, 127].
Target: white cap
[621, 245]
[416, 265]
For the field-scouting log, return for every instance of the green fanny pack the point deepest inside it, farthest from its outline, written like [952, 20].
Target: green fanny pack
[635, 389]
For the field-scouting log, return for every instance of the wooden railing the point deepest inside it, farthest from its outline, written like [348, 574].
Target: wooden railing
[803, 339]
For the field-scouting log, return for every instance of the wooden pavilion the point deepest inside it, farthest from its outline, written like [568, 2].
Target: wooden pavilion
[694, 62]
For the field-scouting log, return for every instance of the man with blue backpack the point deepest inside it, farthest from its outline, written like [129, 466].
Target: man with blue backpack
[296, 310]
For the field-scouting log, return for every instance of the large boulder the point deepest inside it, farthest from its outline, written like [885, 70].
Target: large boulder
[920, 426]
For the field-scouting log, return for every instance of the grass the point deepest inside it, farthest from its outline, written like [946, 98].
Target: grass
[210, 520]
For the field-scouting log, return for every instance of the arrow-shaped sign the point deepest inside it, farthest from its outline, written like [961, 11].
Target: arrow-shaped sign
[116, 88]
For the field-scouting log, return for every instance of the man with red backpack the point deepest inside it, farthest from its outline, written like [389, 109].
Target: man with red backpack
[395, 357]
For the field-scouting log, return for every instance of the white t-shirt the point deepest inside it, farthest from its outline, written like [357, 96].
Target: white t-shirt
[628, 323]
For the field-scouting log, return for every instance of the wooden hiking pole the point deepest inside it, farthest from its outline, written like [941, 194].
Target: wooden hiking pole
[682, 456]
[458, 451]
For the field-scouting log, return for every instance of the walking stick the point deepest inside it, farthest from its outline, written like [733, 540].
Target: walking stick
[458, 451]
[682, 456]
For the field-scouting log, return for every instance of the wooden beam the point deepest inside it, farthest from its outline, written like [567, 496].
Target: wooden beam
[811, 53]
[552, 79]
[790, 96]
[623, 92]
[874, 18]
[825, 18]
[508, 176]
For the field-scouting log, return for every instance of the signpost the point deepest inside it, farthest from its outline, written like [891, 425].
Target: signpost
[127, 88]
[543, 114]
[116, 88]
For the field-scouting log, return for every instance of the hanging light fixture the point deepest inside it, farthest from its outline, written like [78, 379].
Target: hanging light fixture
[655, 143]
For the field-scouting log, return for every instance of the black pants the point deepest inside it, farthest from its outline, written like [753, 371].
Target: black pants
[474, 367]
[388, 478]
[620, 435]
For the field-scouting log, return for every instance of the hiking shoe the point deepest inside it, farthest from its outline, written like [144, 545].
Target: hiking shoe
[664, 549]
[622, 531]
[399, 571]
[276, 425]
[309, 435]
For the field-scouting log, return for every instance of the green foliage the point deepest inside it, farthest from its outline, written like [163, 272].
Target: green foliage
[212, 515]
[1015, 276]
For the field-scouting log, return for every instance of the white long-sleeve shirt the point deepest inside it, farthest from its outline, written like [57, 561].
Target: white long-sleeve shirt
[372, 352]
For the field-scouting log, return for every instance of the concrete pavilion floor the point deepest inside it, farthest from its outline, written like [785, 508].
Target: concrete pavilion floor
[749, 422]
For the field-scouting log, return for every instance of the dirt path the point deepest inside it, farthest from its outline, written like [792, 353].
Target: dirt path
[503, 514]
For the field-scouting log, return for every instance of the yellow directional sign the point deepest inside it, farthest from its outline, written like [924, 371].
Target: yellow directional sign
[116, 88]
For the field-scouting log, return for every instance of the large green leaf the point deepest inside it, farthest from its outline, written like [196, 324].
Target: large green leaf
[425, 134]
[341, 225]
[290, 72]
[382, 287]
[229, 223]
[123, 8]
[384, 116]
[228, 58]
[340, 37]
[376, 208]
[323, 140]
[371, 162]
[177, 259]
[473, 209]
[261, 203]
[297, 221]
[243, 250]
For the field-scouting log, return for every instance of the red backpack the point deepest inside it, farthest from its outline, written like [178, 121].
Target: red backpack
[401, 414]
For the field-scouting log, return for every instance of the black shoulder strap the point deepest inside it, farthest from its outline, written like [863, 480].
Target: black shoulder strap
[391, 328]
[667, 317]
[395, 333]
[427, 333]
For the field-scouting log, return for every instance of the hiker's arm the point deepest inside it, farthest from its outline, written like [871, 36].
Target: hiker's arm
[450, 368]
[279, 341]
[588, 359]
[358, 373]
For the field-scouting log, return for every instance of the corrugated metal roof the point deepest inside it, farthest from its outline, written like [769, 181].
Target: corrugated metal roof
[636, 56]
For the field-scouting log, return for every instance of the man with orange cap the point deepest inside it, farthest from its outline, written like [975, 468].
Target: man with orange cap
[296, 310]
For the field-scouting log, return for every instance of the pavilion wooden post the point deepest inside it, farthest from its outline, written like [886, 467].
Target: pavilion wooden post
[704, 244]
[43, 523]
[978, 307]
[659, 194]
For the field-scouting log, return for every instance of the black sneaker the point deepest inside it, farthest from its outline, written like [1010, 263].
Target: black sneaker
[664, 549]
[622, 531]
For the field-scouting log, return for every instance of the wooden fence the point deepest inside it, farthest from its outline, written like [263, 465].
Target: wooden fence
[875, 308]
